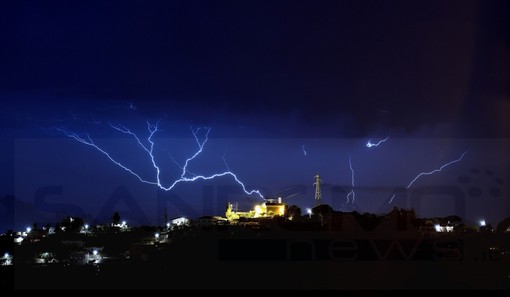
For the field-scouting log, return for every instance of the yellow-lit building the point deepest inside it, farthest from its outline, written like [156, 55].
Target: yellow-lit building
[275, 209]
[267, 209]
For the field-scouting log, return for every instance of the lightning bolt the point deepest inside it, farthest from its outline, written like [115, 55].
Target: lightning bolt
[431, 172]
[392, 198]
[351, 193]
[225, 161]
[435, 170]
[148, 147]
[303, 148]
[370, 144]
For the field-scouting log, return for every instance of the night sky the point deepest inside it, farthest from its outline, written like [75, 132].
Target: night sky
[288, 88]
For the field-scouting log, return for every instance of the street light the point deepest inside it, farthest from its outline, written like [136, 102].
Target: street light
[309, 212]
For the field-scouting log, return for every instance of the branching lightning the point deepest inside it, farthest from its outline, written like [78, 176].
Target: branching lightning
[179, 165]
[370, 144]
[225, 161]
[149, 149]
[431, 172]
[351, 193]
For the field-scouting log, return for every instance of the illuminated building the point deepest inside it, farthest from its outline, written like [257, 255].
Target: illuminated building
[268, 209]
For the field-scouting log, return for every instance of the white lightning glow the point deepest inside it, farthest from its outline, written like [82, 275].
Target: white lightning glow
[225, 161]
[351, 193]
[430, 173]
[435, 170]
[303, 148]
[391, 200]
[149, 148]
[370, 144]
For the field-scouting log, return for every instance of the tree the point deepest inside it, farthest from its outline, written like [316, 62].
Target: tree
[486, 228]
[503, 226]
[72, 224]
[453, 219]
[293, 211]
[116, 218]
[322, 209]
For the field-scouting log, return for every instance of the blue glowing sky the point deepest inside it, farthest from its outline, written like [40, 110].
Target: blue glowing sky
[272, 79]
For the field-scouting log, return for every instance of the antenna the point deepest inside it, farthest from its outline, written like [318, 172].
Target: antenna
[317, 185]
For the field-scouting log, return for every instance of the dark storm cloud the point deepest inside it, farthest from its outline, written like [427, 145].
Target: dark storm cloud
[399, 64]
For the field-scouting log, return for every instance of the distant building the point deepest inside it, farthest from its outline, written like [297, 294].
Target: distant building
[427, 228]
[179, 221]
[268, 209]
[18, 239]
[209, 221]
[275, 209]
[45, 258]
[400, 220]
[6, 260]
